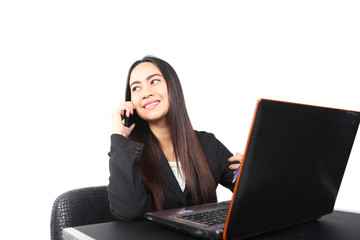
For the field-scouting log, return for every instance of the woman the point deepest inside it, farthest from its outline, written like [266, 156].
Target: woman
[160, 162]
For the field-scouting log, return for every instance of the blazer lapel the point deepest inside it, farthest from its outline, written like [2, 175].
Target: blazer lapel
[170, 180]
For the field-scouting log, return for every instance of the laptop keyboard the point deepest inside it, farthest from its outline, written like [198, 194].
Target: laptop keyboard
[207, 218]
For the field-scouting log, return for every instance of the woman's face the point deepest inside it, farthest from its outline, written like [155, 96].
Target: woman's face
[149, 93]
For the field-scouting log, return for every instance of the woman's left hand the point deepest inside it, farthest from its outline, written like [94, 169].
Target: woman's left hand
[236, 161]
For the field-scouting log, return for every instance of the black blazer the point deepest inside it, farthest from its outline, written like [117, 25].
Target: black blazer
[128, 197]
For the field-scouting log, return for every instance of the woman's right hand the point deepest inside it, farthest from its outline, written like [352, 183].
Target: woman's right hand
[117, 119]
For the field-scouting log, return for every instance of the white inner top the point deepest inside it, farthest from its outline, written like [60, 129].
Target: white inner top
[179, 174]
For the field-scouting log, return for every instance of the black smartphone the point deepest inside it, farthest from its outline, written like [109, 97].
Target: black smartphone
[128, 121]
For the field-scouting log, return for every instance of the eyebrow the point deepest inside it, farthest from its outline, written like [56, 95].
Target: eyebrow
[147, 78]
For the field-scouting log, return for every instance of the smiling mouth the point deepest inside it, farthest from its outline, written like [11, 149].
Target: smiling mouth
[151, 105]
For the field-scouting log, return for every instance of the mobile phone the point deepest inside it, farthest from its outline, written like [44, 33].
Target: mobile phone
[128, 121]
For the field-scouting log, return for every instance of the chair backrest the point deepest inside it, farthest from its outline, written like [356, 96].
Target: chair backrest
[80, 207]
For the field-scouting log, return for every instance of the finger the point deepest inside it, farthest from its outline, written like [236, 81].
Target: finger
[132, 127]
[234, 166]
[235, 159]
[125, 105]
[128, 111]
[129, 108]
[132, 107]
[240, 155]
[123, 109]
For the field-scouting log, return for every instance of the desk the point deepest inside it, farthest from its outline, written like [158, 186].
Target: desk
[339, 225]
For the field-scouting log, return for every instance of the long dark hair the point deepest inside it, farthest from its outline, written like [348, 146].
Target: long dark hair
[186, 145]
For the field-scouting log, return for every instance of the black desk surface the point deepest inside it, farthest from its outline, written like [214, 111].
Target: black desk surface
[337, 226]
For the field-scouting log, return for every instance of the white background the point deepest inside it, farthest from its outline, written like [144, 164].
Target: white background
[63, 66]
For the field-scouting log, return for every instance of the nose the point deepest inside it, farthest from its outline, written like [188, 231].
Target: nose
[147, 94]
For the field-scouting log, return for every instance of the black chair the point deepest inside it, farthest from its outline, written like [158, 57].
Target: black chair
[79, 207]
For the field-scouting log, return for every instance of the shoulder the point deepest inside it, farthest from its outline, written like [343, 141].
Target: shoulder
[210, 143]
[206, 138]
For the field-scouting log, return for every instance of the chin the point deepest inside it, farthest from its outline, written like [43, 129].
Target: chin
[156, 119]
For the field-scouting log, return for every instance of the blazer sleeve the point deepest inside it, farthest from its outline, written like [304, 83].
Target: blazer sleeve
[226, 174]
[217, 156]
[127, 195]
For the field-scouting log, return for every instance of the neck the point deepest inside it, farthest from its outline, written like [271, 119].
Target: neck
[161, 131]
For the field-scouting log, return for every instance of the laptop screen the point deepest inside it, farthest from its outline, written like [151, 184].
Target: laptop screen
[293, 166]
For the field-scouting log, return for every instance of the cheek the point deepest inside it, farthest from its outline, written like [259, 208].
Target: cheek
[164, 93]
[135, 100]
[167, 103]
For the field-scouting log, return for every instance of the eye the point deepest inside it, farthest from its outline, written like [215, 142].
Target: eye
[154, 81]
[134, 89]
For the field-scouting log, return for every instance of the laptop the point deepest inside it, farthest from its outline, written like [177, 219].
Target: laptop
[293, 165]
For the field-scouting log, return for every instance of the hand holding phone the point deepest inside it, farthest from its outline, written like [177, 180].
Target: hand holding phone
[119, 119]
[128, 121]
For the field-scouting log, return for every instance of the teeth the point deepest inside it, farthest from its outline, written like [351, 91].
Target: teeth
[152, 104]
